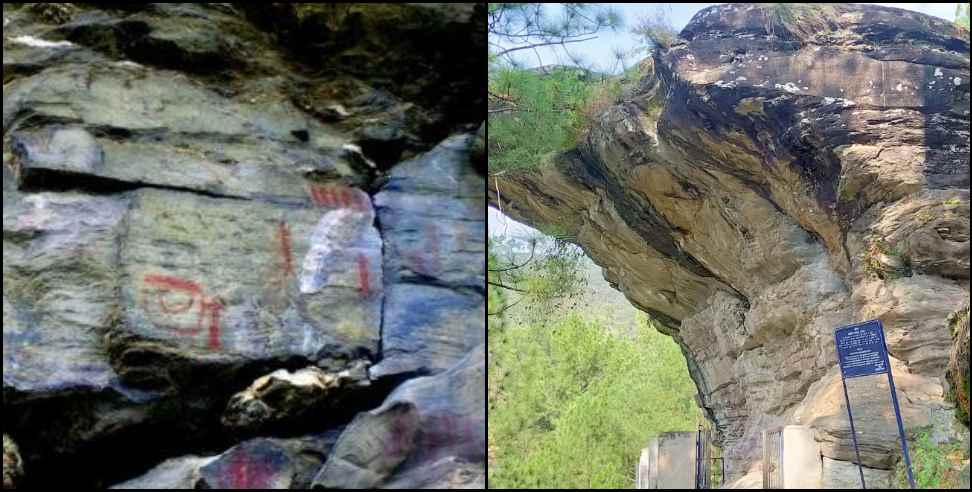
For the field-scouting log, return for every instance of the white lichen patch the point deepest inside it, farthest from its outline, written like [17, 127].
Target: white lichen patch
[899, 87]
[744, 78]
[828, 100]
[725, 85]
[788, 87]
[41, 43]
[957, 80]
[336, 232]
[938, 72]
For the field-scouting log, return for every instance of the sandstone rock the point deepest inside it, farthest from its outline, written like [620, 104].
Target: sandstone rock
[958, 365]
[177, 473]
[221, 282]
[424, 421]
[845, 475]
[13, 465]
[130, 127]
[254, 464]
[772, 178]
[432, 213]
[285, 397]
[447, 473]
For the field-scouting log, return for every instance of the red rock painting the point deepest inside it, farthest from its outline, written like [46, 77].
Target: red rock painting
[426, 260]
[338, 197]
[185, 307]
[286, 256]
[364, 276]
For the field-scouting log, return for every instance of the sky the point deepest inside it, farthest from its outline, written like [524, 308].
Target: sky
[598, 52]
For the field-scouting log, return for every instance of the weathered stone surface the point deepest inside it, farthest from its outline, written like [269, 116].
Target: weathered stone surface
[13, 465]
[958, 363]
[138, 126]
[845, 475]
[432, 215]
[59, 273]
[447, 473]
[285, 397]
[824, 409]
[219, 282]
[424, 421]
[773, 177]
[254, 464]
[174, 474]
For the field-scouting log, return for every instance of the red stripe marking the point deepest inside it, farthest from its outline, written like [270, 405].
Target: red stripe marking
[283, 233]
[174, 283]
[214, 307]
[328, 197]
[344, 197]
[364, 276]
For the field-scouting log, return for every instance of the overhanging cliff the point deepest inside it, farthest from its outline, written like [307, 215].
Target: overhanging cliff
[776, 174]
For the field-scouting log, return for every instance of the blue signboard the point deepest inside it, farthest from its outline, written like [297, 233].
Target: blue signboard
[861, 350]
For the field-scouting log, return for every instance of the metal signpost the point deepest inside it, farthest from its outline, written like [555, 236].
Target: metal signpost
[861, 351]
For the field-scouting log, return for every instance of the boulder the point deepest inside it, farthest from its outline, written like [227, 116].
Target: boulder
[845, 475]
[254, 464]
[424, 421]
[285, 397]
[432, 214]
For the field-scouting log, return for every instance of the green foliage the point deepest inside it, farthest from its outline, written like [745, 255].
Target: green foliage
[878, 251]
[496, 297]
[656, 29]
[546, 281]
[962, 16]
[571, 406]
[952, 202]
[804, 20]
[932, 463]
[540, 120]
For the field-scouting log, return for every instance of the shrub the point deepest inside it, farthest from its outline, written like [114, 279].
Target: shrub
[656, 29]
[932, 463]
[575, 405]
[539, 119]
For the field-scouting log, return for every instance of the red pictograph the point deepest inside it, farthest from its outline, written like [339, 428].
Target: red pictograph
[428, 259]
[338, 197]
[246, 473]
[287, 259]
[364, 276]
[176, 297]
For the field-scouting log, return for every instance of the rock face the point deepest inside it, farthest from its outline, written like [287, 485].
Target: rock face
[254, 464]
[217, 218]
[958, 363]
[775, 174]
[430, 433]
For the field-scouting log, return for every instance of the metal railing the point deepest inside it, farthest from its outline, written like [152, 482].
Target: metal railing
[773, 459]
